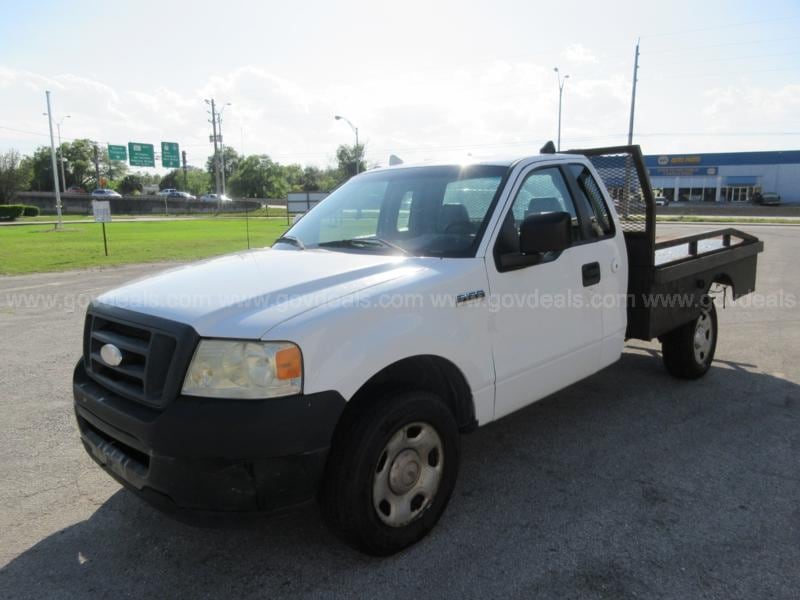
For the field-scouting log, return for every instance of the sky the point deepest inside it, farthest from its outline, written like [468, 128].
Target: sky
[426, 80]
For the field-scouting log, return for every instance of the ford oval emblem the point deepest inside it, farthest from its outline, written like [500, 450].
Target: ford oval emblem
[111, 355]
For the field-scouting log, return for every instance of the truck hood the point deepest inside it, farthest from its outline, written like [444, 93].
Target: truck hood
[244, 295]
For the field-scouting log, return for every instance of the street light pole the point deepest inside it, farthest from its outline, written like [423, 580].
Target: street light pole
[561, 83]
[355, 130]
[59, 224]
[61, 153]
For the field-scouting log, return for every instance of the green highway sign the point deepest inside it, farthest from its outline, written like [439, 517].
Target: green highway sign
[117, 152]
[142, 155]
[170, 155]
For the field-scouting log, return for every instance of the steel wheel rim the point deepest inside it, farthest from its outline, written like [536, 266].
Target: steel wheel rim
[408, 474]
[703, 337]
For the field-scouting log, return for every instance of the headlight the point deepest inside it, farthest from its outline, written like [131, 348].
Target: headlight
[244, 369]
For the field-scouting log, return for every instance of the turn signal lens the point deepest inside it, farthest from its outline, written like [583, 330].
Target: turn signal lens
[288, 363]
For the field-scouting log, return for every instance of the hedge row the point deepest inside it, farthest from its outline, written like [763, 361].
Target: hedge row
[9, 212]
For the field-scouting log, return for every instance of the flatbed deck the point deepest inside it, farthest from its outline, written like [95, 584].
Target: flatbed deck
[669, 279]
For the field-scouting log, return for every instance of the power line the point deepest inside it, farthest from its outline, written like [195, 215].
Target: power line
[724, 44]
[727, 58]
[726, 26]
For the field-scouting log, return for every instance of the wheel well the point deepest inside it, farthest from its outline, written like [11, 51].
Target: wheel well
[426, 372]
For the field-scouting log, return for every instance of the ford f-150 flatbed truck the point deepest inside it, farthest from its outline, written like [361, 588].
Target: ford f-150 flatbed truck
[413, 304]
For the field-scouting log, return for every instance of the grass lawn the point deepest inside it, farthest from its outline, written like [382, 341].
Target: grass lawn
[36, 248]
[269, 212]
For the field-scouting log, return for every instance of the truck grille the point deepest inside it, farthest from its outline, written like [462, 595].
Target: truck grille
[148, 372]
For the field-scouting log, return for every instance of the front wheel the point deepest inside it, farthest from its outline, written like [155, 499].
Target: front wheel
[391, 471]
[689, 350]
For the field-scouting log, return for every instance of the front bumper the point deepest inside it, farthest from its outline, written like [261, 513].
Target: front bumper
[200, 456]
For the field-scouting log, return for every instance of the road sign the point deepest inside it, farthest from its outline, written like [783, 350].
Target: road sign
[211, 138]
[142, 155]
[117, 152]
[102, 214]
[101, 209]
[170, 155]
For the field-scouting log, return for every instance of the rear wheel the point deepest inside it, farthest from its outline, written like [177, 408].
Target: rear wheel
[391, 471]
[689, 349]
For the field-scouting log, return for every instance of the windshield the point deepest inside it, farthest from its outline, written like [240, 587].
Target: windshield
[425, 211]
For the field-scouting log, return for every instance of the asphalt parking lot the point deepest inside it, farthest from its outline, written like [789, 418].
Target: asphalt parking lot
[630, 484]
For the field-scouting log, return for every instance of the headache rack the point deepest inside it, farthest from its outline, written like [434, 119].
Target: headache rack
[668, 280]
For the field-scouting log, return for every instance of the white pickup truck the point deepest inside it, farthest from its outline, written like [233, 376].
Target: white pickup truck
[412, 305]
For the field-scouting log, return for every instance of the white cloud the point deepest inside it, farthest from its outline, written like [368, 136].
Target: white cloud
[579, 54]
[495, 107]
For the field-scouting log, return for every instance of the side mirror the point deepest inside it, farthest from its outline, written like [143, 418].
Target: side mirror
[546, 232]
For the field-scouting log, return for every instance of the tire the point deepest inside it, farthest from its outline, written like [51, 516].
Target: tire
[689, 350]
[391, 471]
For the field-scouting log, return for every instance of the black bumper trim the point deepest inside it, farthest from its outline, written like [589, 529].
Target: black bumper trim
[203, 456]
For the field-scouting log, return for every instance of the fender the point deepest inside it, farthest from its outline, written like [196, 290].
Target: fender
[345, 343]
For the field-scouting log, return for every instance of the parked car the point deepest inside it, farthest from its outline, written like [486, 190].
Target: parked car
[215, 198]
[166, 191]
[661, 201]
[75, 189]
[181, 195]
[105, 193]
[767, 198]
[413, 304]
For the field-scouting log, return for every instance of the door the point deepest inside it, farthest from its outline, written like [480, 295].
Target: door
[545, 334]
[609, 297]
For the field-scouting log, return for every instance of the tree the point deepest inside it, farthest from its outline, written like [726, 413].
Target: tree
[131, 184]
[79, 166]
[294, 175]
[197, 181]
[348, 156]
[170, 181]
[42, 170]
[231, 161]
[312, 179]
[259, 177]
[331, 179]
[16, 173]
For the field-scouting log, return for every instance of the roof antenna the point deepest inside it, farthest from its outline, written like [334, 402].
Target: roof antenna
[548, 148]
[395, 160]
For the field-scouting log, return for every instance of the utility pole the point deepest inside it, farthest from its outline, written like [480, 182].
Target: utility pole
[633, 92]
[358, 153]
[222, 145]
[97, 163]
[216, 153]
[185, 181]
[59, 224]
[221, 152]
[561, 83]
[357, 148]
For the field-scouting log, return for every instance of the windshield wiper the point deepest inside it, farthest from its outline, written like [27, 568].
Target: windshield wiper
[289, 239]
[363, 243]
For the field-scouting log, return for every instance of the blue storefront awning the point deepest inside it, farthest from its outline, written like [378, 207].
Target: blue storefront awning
[741, 180]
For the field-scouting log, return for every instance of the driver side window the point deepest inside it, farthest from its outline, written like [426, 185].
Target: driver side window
[543, 191]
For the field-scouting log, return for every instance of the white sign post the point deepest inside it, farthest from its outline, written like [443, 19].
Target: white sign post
[101, 209]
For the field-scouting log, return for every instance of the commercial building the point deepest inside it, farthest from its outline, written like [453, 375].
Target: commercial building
[725, 176]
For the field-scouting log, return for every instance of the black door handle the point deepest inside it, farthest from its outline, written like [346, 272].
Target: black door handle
[591, 273]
